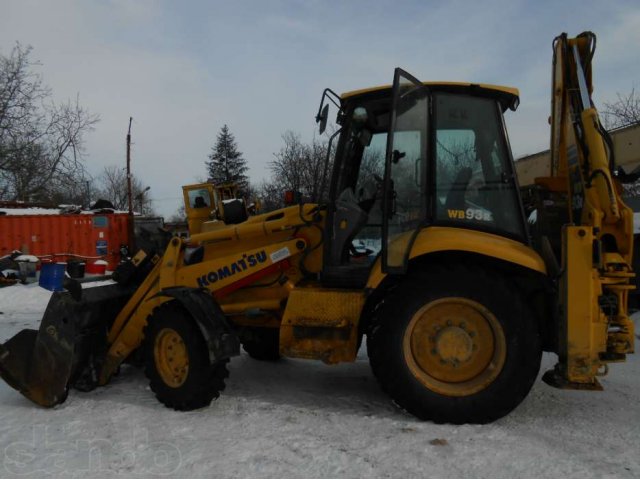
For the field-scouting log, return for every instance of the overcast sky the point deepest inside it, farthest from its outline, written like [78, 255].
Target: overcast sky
[183, 69]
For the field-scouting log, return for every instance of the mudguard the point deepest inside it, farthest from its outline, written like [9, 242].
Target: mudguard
[221, 340]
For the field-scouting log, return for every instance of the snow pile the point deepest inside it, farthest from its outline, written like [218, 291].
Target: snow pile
[298, 418]
[27, 258]
[53, 211]
[30, 211]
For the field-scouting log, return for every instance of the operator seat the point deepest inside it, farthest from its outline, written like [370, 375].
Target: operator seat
[458, 190]
[348, 220]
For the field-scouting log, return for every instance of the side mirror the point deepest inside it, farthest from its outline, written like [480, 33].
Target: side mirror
[322, 118]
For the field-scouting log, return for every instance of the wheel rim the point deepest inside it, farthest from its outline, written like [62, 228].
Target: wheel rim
[171, 357]
[454, 346]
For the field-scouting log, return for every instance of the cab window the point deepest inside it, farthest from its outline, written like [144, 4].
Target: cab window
[199, 198]
[475, 187]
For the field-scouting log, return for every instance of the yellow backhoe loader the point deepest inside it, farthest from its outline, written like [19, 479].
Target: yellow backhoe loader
[421, 245]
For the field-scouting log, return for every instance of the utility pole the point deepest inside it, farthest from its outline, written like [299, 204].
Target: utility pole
[129, 192]
[132, 242]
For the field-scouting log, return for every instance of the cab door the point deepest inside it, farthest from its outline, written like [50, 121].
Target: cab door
[405, 180]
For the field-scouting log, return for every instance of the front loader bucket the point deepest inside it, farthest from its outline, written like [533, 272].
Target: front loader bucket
[69, 347]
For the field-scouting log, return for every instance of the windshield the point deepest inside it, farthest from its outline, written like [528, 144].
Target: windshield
[199, 198]
[474, 183]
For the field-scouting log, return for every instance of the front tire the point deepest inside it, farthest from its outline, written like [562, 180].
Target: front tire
[177, 361]
[455, 346]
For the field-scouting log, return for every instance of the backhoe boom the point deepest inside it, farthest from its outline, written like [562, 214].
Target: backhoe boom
[597, 241]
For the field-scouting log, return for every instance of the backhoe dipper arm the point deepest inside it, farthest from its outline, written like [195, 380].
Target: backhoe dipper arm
[597, 243]
[580, 146]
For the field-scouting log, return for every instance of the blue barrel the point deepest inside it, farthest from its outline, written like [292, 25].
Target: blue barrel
[52, 276]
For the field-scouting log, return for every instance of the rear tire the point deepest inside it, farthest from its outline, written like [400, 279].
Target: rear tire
[262, 343]
[456, 345]
[177, 361]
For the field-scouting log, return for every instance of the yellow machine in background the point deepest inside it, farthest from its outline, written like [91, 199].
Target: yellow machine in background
[209, 206]
[422, 246]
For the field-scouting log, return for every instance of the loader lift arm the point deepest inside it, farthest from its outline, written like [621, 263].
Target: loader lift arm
[202, 279]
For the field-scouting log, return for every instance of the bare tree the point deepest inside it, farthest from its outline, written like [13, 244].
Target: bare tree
[113, 187]
[41, 143]
[297, 166]
[289, 165]
[271, 195]
[625, 111]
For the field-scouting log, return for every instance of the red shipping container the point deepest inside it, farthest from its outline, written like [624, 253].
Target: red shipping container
[63, 237]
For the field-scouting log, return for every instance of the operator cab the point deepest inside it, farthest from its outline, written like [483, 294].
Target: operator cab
[411, 156]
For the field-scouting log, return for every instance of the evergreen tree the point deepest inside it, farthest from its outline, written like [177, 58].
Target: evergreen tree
[226, 163]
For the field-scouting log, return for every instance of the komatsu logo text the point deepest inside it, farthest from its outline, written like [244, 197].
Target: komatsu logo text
[240, 265]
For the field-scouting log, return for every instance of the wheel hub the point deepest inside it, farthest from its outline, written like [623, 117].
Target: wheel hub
[171, 357]
[454, 346]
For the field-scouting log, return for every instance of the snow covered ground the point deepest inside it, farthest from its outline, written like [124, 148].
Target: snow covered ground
[304, 419]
